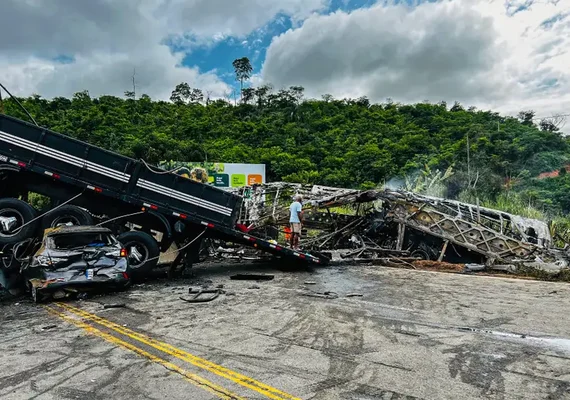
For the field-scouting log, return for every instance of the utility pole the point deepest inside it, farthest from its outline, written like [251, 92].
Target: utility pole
[134, 85]
[468, 162]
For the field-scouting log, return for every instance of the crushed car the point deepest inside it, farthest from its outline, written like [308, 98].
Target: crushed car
[74, 259]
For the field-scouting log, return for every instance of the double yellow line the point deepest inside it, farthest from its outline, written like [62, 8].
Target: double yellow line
[236, 377]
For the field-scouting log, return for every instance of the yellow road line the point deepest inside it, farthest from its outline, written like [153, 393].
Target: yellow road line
[192, 378]
[250, 383]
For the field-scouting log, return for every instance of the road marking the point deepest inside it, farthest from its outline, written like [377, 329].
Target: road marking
[250, 383]
[192, 378]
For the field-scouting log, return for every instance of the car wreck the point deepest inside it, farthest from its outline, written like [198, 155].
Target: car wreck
[351, 224]
[73, 259]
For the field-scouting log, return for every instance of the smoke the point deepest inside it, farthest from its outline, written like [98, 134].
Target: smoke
[426, 182]
[395, 183]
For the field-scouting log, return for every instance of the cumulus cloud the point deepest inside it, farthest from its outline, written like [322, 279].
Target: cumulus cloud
[210, 19]
[156, 74]
[507, 55]
[60, 47]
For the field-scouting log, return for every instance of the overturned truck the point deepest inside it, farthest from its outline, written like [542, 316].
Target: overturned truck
[383, 222]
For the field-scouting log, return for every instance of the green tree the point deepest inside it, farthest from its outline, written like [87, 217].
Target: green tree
[243, 69]
[339, 142]
[181, 93]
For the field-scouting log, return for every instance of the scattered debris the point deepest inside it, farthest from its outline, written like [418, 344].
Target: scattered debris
[114, 305]
[214, 294]
[396, 228]
[474, 267]
[254, 287]
[323, 295]
[409, 333]
[354, 295]
[252, 277]
[48, 327]
[310, 283]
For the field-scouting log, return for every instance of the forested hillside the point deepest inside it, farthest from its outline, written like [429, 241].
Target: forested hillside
[347, 143]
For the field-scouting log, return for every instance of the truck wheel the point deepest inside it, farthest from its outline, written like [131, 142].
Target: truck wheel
[66, 215]
[14, 214]
[143, 252]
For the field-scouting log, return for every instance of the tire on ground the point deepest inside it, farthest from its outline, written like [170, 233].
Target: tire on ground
[147, 252]
[64, 214]
[23, 212]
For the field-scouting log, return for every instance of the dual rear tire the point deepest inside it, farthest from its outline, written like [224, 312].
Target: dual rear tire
[18, 223]
[66, 215]
[143, 252]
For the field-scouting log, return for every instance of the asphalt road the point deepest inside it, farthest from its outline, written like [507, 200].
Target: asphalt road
[410, 335]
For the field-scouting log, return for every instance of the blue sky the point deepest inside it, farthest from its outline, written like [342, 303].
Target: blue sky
[505, 55]
[219, 56]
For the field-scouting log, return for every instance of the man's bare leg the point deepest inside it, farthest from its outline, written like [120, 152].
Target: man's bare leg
[296, 246]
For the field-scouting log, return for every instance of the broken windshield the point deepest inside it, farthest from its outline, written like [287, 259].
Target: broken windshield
[78, 240]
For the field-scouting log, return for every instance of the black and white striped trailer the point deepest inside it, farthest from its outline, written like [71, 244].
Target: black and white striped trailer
[85, 182]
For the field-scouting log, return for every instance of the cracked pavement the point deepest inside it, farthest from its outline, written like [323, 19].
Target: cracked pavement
[411, 335]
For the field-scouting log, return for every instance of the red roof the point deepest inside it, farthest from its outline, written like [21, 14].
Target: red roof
[552, 174]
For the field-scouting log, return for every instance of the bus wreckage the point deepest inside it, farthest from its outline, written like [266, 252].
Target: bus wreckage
[381, 224]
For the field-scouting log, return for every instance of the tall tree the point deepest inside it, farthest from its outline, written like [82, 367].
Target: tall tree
[181, 93]
[243, 70]
[248, 94]
[526, 117]
[196, 96]
[261, 93]
[297, 92]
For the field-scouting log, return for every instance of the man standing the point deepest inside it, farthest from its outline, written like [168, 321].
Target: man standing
[296, 220]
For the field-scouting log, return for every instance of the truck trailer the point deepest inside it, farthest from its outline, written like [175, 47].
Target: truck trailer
[149, 209]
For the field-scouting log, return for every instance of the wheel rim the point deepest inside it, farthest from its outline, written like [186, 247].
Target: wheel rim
[7, 260]
[420, 254]
[20, 221]
[65, 220]
[138, 254]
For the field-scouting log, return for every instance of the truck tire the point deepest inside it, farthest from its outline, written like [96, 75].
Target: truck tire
[67, 214]
[23, 213]
[143, 252]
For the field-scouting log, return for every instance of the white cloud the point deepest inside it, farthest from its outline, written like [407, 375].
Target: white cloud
[498, 54]
[102, 73]
[207, 18]
[107, 39]
[505, 55]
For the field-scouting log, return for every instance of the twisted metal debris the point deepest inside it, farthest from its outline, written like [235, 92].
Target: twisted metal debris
[380, 223]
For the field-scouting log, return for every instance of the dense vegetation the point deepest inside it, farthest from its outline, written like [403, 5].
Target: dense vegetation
[347, 143]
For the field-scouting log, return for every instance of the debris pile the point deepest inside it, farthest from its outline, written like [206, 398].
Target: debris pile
[397, 226]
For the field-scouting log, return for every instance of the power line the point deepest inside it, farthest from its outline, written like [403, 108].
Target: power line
[552, 116]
